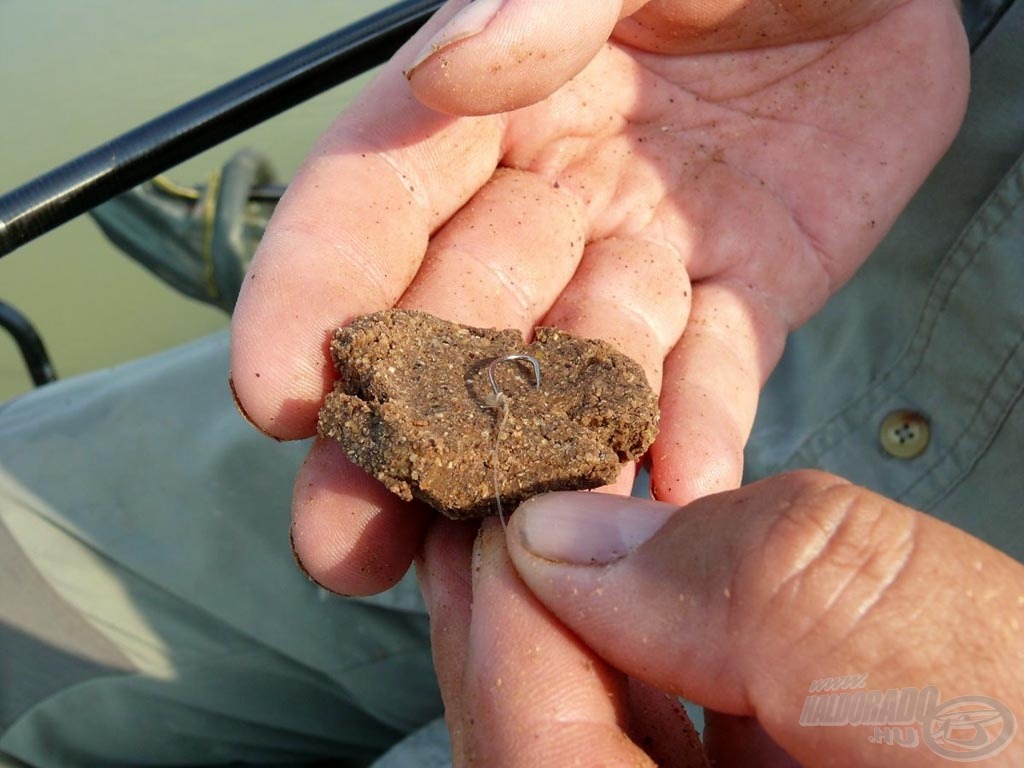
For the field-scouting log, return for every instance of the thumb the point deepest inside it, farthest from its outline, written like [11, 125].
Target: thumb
[742, 600]
[497, 55]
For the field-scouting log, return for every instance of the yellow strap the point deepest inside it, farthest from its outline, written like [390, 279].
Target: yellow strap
[209, 212]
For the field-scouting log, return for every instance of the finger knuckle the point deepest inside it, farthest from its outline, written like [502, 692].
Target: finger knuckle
[830, 558]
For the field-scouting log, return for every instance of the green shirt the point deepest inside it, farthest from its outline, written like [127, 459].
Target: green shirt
[933, 324]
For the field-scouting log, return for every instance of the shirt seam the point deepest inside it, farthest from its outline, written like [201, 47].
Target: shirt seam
[960, 257]
[983, 424]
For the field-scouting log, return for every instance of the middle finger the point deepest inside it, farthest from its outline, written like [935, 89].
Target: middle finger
[504, 257]
[501, 261]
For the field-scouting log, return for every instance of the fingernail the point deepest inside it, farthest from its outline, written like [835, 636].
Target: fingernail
[466, 23]
[295, 555]
[302, 567]
[588, 528]
[243, 413]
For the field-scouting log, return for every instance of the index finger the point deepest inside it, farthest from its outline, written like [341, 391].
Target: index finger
[348, 237]
[532, 694]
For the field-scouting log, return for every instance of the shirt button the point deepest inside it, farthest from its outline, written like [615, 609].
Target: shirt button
[904, 434]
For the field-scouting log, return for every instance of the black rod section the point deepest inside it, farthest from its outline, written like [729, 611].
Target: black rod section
[120, 164]
[33, 351]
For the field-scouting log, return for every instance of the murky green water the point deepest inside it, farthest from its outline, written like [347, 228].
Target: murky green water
[75, 74]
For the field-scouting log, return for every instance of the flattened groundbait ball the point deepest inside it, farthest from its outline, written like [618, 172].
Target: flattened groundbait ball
[419, 406]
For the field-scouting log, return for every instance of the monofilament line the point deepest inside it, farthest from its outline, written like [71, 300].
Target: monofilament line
[499, 402]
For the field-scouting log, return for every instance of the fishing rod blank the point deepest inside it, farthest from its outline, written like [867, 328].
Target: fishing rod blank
[120, 164]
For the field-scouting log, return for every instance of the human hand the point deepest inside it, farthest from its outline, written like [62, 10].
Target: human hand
[690, 191]
[738, 601]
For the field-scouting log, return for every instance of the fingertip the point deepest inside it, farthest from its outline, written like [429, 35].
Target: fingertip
[350, 534]
[635, 581]
[584, 529]
[279, 370]
[237, 402]
[520, 54]
[334, 250]
[278, 412]
[712, 383]
[691, 460]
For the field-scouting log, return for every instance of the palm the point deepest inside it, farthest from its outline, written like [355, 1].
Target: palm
[779, 168]
[691, 209]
